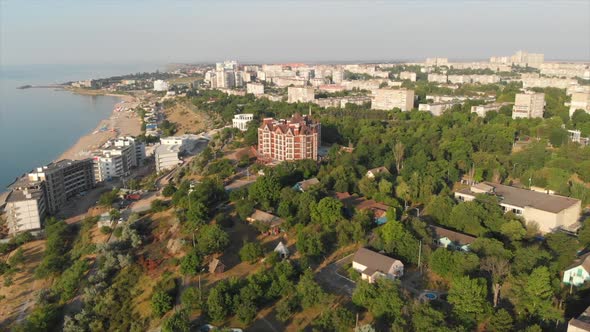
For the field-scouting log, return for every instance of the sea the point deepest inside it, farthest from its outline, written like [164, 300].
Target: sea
[38, 124]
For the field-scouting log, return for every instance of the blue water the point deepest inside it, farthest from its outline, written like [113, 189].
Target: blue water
[38, 125]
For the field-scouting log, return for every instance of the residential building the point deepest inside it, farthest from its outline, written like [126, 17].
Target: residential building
[255, 88]
[374, 172]
[388, 99]
[160, 85]
[437, 78]
[528, 105]
[113, 162]
[289, 81]
[240, 121]
[167, 157]
[293, 139]
[434, 62]
[358, 203]
[305, 185]
[520, 58]
[300, 94]
[186, 142]
[534, 81]
[337, 76]
[25, 206]
[271, 224]
[581, 323]
[447, 238]
[578, 273]
[63, 180]
[138, 147]
[482, 110]
[372, 265]
[576, 137]
[407, 75]
[436, 109]
[548, 212]
[580, 101]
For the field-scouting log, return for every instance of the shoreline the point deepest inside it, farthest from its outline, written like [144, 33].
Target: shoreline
[122, 121]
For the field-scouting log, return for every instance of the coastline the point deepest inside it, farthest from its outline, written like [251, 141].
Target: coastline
[122, 121]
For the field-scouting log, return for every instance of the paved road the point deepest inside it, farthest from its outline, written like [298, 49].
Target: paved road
[335, 282]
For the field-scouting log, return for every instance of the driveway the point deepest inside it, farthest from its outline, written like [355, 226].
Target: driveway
[332, 280]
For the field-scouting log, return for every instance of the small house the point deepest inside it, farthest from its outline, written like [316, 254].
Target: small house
[374, 172]
[216, 266]
[372, 265]
[578, 273]
[305, 185]
[447, 238]
[581, 323]
[352, 202]
[282, 250]
[269, 221]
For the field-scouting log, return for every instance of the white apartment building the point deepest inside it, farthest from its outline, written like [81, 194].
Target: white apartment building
[430, 62]
[534, 81]
[437, 78]
[436, 109]
[407, 75]
[25, 206]
[167, 157]
[160, 85]
[240, 121]
[255, 88]
[580, 101]
[138, 147]
[388, 99]
[337, 76]
[482, 110]
[185, 142]
[528, 105]
[300, 94]
[113, 162]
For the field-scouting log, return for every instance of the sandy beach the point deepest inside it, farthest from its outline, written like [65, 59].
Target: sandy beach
[122, 122]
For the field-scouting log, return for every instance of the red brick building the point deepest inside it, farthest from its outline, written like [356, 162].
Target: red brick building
[293, 139]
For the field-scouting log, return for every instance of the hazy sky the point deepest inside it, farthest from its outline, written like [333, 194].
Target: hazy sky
[125, 31]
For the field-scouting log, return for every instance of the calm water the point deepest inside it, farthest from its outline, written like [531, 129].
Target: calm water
[38, 125]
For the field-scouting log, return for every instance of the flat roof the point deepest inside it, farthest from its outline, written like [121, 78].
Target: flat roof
[524, 197]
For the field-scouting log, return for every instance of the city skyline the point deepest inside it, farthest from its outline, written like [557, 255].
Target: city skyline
[304, 31]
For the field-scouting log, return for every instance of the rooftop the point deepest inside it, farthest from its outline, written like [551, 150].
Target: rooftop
[582, 322]
[523, 197]
[461, 238]
[374, 261]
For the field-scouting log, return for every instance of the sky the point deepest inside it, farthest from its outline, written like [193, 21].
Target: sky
[157, 31]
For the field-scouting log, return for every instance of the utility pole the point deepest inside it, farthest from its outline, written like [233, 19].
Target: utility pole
[420, 256]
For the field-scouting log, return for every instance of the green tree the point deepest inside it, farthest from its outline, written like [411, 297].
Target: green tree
[191, 298]
[533, 295]
[563, 247]
[501, 321]
[178, 322]
[169, 190]
[426, 318]
[310, 242]
[161, 303]
[190, 264]
[212, 239]
[498, 268]
[327, 212]
[308, 290]
[251, 252]
[468, 297]
[395, 239]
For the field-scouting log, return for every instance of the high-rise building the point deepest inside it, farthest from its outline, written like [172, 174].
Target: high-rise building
[293, 139]
[580, 101]
[255, 88]
[388, 99]
[63, 180]
[528, 105]
[25, 206]
[300, 94]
